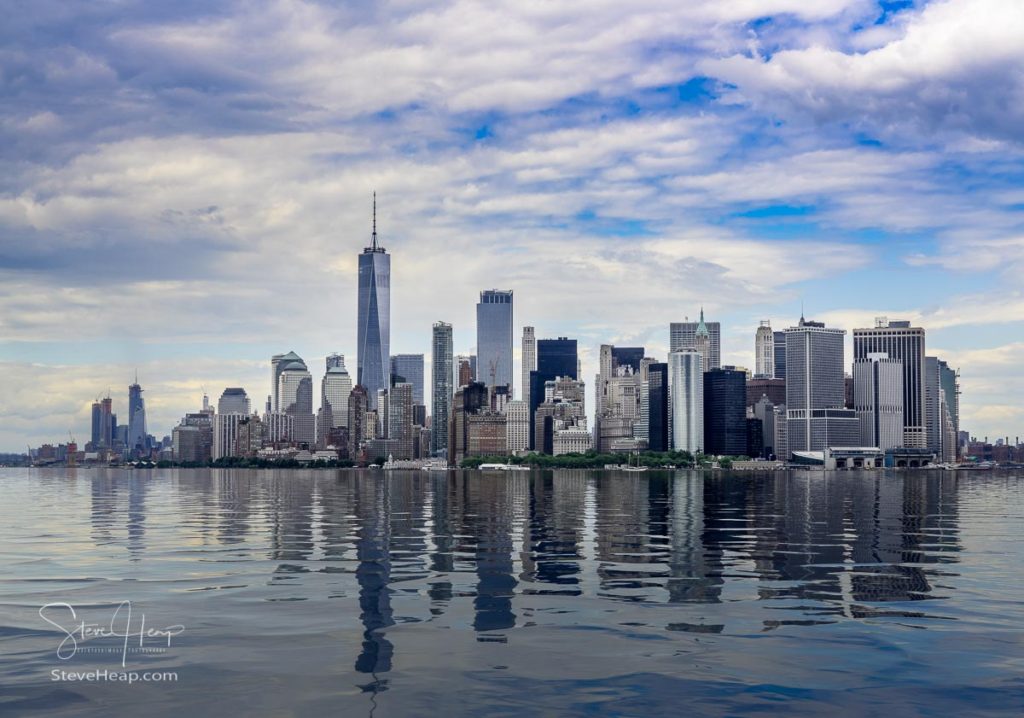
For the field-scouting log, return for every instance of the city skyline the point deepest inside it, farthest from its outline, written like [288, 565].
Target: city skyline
[207, 220]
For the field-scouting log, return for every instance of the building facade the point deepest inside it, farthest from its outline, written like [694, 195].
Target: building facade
[906, 344]
[373, 324]
[410, 368]
[529, 361]
[683, 336]
[686, 395]
[878, 400]
[518, 426]
[764, 350]
[441, 387]
[295, 394]
[816, 389]
[494, 338]
[725, 412]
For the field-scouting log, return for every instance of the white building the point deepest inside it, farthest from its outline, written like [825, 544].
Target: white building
[529, 361]
[878, 400]
[572, 440]
[225, 432]
[764, 350]
[518, 427]
[686, 400]
[278, 427]
[295, 396]
[334, 391]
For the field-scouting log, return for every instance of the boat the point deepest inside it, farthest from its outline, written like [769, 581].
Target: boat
[509, 466]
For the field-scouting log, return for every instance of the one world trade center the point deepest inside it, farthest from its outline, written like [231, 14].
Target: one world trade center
[374, 328]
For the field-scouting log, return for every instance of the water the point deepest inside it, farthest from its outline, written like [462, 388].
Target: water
[545, 593]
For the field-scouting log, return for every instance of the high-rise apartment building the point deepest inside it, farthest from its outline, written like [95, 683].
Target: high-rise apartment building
[529, 359]
[816, 389]
[400, 420]
[358, 408]
[494, 337]
[225, 433]
[374, 317]
[764, 350]
[705, 337]
[686, 394]
[441, 389]
[906, 344]
[878, 400]
[410, 368]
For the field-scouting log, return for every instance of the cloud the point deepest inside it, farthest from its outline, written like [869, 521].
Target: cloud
[957, 66]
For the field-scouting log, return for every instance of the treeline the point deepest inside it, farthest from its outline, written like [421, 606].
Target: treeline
[247, 462]
[594, 460]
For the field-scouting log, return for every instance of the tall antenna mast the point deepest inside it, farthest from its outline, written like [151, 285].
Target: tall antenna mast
[375, 221]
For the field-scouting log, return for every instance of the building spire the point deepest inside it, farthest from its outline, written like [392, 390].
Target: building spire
[375, 221]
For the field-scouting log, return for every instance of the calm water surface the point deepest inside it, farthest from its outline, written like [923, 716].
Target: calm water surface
[545, 593]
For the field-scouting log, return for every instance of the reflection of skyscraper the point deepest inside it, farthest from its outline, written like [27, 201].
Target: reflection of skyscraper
[373, 574]
[374, 317]
[441, 386]
[494, 338]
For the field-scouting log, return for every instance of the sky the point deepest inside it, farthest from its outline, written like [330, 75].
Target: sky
[185, 187]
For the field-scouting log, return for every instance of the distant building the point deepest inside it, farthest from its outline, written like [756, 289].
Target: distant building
[780, 355]
[940, 423]
[486, 434]
[373, 323]
[295, 394]
[278, 427]
[277, 362]
[518, 426]
[570, 440]
[400, 420]
[441, 387]
[764, 411]
[774, 389]
[494, 337]
[233, 400]
[906, 344]
[563, 407]
[410, 368]
[468, 400]
[686, 394]
[816, 389]
[701, 336]
[225, 433]
[657, 390]
[137, 444]
[335, 388]
[555, 358]
[764, 350]
[725, 412]
[878, 400]
[465, 370]
[358, 409]
[529, 351]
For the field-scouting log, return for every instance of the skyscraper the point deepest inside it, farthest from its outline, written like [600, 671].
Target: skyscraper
[97, 423]
[441, 386]
[764, 350]
[529, 361]
[906, 344]
[358, 406]
[374, 318]
[295, 392]
[400, 420]
[940, 408]
[555, 358]
[334, 391]
[136, 418]
[107, 423]
[725, 412]
[686, 394]
[878, 400]
[816, 389]
[683, 336]
[410, 368]
[233, 400]
[494, 337]
[276, 363]
[780, 354]
[657, 407]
